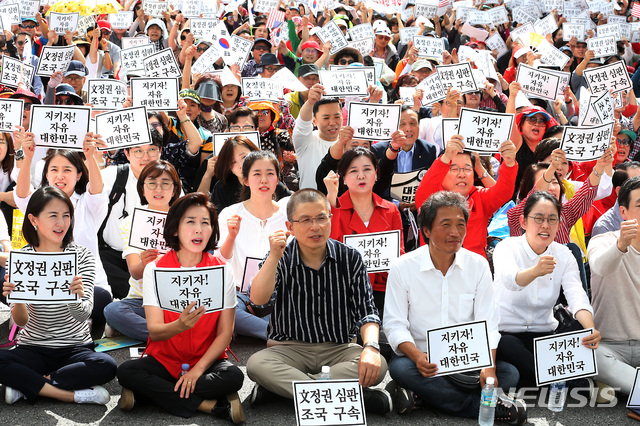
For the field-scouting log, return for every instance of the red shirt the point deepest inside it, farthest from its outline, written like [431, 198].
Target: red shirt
[346, 221]
[483, 202]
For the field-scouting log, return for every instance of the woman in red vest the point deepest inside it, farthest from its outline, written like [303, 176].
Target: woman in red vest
[185, 368]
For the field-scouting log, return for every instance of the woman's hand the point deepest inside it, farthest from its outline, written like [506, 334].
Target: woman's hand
[26, 141]
[187, 383]
[233, 224]
[332, 182]
[190, 316]
[148, 256]
[593, 340]
[545, 266]
[7, 287]
[77, 287]
[558, 158]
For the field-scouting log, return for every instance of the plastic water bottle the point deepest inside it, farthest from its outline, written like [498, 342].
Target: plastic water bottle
[557, 396]
[325, 374]
[185, 369]
[488, 398]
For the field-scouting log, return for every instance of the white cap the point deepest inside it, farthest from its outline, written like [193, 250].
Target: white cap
[326, 369]
[490, 380]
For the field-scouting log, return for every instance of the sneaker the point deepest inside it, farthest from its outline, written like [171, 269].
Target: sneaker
[260, 395]
[403, 399]
[229, 408]
[511, 410]
[110, 331]
[93, 395]
[605, 393]
[127, 399]
[11, 395]
[377, 401]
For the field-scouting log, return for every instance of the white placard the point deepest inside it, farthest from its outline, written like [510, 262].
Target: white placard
[609, 30]
[433, 89]
[602, 46]
[289, 80]
[551, 55]
[426, 8]
[133, 58]
[251, 268]
[498, 15]
[191, 8]
[404, 185]
[430, 47]
[238, 52]
[449, 128]
[331, 32]
[329, 402]
[570, 30]
[612, 77]
[549, 5]
[406, 95]
[634, 396]
[124, 128]
[147, 230]
[407, 34]
[495, 42]
[522, 15]
[106, 94]
[262, 89]
[42, 278]
[459, 76]
[54, 58]
[364, 46]
[369, 71]
[373, 121]
[84, 23]
[603, 107]
[11, 111]
[15, 71]
[378, 249]
[560, 357]
[154, 8]
[521, 30]
[586, 143]
[202, 28]
[538, 82]
[121, 20]
[564, 80]
[474, 33]
[156, 94]
[62, 126]
[162, 64]
[205, 62]
[129, 42]
[176, 288]
[29, 7]
[264, 6]
[63, 22]
[358, 32]
[344, 82]
[12, 10]
[484, 131]
[220, 138]
[459, 348]
[546, 25]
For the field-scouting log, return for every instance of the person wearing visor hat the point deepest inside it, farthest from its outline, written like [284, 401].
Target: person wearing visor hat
[308, 76]
[260, 47]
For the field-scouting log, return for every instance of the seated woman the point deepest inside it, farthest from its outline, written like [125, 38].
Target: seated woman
[191, 337]
[530, 270]
[246, 237]
[158, 187]
[55, 357]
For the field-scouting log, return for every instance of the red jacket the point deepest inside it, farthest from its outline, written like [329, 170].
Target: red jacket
[483, 202]
[190, 345]
[346, 221]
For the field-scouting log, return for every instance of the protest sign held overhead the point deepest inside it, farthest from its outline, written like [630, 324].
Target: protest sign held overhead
[60, 126]
[373, 121]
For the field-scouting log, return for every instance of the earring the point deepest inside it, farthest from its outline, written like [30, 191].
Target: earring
[35, 227]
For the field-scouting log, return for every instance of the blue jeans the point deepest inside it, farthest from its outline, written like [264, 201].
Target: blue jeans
[248, 324]
[127, 316]
[440, 393]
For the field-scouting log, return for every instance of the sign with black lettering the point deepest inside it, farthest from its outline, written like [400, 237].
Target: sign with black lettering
[459, 348]
[42, 278]
[561, 357]
[62, 126]
[176, 288]
[328, 402]
[374, 121]
[378, 249]
[124, 128]
[147, 229]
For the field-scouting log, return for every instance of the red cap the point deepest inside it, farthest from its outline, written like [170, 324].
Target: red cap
[311, 45]
[104, 25]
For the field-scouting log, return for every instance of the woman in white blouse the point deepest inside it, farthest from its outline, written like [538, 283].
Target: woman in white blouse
[529, 272]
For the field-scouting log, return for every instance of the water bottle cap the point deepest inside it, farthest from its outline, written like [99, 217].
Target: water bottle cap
[490, 380]
[326, 369]
[185, 366]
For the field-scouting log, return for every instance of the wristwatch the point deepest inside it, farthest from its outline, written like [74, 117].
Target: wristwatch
[19, 154]
[373, 345]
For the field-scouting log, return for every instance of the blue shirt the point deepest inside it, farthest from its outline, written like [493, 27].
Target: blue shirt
[405, 160]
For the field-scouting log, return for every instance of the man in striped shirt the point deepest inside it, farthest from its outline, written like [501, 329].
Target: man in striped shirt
[321, 296]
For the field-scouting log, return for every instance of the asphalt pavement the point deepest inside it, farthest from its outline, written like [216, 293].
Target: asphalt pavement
[49, 412]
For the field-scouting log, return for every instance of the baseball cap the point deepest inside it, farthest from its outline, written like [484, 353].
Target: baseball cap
[308, 69]
[77, 68]
[190, 94]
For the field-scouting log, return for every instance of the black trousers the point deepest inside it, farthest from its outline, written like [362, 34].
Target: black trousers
[150, 381]
[117, 272]
[70, 368]
[517, 350]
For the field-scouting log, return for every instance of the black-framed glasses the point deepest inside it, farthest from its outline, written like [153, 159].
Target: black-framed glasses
[261, 48]
[455, 170]
[165, 186]
[272, 69]
[27, 106]
[151, 152]
[202, 49]
[536, 120]
[306, 222]
[105, 32]
[539, 219]
[346, 61]
[64, 101]
[624, 142]
[247, 128]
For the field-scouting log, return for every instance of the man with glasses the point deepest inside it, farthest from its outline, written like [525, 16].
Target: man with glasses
[313, 323]
[260, 47]
[113, 50]
[269, 65]
[74, 76]
[453, 171]
[30, 25]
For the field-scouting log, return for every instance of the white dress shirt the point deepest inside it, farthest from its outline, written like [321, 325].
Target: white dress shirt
[419, 298]
[530, 308]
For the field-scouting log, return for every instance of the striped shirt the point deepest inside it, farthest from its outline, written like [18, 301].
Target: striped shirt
[327, 305]
[66, 324]
[572, 210]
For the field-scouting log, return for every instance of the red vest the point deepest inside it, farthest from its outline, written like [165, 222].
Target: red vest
[190, 345]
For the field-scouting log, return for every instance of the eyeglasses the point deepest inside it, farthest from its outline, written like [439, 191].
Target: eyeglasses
[64, 101]
[346, 61]
[28, 26]
[271, 69]
[536, 120]
[202, 49]
[264, 112]
[474, 93]
[156, 125]
[539, 219]
[247, 128]
[307, 221]
[383, 37]
[262, 48]
[105, 32]
[151, 152]
[455, 170]
[309, 51]
[19, 43]
[183, 37]
[165, 186]
[27, 106]
[624, 142]
[74, 77]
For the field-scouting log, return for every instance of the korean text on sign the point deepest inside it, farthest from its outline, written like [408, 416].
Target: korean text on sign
[43, 278]
[561, 357]
[147, 230]
[586, 144]
[459, 348]
[538, 82]
[60, 126]
[157, 94]
[378, 249]
[344, 82]
[373, 121]
[404, 185]
[176, 288]
[124, 128]
[106, 94]
[328, 402]
[458, 76]
[484, 131]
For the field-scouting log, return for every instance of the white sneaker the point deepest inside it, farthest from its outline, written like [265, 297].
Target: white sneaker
[94, 395]
[11, 395]
[110, 331]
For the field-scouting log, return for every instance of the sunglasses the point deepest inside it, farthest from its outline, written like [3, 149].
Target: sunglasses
[346, 61]
[202, 49]
[183, 37]
[29, 26]
[65, 101]
[261, 48]
[19, 43]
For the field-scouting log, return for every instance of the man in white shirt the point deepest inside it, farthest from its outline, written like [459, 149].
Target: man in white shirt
[615, 284]
[311, 146]
[457, 285]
